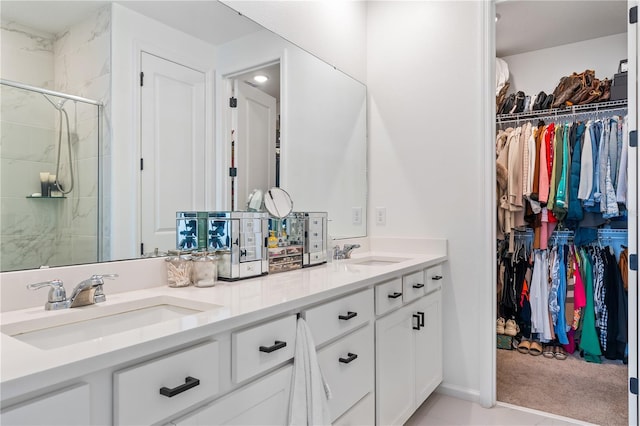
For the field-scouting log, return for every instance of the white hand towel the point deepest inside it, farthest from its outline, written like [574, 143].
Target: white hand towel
[310, 394]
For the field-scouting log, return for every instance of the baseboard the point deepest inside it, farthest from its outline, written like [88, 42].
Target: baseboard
[466, 394]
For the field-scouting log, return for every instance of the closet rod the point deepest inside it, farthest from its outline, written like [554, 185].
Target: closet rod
[562, 112]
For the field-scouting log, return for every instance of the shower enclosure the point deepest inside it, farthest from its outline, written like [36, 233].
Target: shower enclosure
[52, 135]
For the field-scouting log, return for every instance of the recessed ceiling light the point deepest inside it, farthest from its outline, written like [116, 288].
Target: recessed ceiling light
[497, 17]
[260, 78]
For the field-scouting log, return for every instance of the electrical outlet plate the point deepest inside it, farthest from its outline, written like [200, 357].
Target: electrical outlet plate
[381, 216]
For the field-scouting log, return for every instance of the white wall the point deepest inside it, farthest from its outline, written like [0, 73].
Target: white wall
[542, 69]
[425, 145]
[424, 62]
[335, 31]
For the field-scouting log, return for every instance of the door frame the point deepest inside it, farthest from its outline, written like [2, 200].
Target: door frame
[224, 117]
[488, 308]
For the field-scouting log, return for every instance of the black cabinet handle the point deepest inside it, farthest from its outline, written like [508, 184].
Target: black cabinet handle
[418, 285]
[350, 357]
[276, 345]
[348, 316]
[436, 277]
[416, 317]
[421, 315]
[394, 295]
[189, 383]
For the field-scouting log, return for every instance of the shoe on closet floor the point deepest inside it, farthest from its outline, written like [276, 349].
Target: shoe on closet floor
[511, 328]
[500, 326]
[524, 346]
[535, 348]
[547, 350]
[559, 353]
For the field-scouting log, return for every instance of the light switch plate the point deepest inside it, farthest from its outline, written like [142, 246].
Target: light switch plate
[381, 216]
[356, 215]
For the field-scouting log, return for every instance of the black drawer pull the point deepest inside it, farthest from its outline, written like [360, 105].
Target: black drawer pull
[394, 295]
[276, 345]
[421, 314]
[416, 317]
[350, 357]
[189, 383]
[418, 285]
[436, 277]
[348, 316]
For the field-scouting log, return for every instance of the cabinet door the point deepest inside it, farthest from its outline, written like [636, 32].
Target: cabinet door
[428, 346]
[263, 402]
[67, 407]
[394, 367]
[347, 366]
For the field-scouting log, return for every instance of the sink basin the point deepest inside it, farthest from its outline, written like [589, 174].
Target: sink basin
[377, 260]
[96, 321]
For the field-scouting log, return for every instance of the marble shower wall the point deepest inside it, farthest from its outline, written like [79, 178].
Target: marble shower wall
[37, 232]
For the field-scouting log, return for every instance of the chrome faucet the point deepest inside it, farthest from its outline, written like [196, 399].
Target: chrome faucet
[345, 252]
[87, 292]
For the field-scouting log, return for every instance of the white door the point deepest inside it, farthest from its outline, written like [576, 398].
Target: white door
[172, 105]
[255, 148]
[428, 346]
[633, 41]
[395, 359]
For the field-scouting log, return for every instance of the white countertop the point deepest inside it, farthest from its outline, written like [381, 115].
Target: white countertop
[241, 303]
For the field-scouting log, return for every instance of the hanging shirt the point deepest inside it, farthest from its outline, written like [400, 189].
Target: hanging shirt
[586, 165]
[539, 296]
[621, 189]
[589, 339]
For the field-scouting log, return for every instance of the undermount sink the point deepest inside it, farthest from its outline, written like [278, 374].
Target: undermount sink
[377, 260]
[97, 321]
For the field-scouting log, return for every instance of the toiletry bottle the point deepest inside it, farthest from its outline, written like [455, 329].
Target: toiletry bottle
[273, 241]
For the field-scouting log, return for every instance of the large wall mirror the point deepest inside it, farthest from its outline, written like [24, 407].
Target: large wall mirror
[195, 55]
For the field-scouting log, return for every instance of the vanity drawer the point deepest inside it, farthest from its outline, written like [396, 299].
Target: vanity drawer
[413, 286]
[315, 246]
[260, 348]
[388, 296]
[347, 366]
[315, 228]
[433, 277]
[149, 392]
[335, 318]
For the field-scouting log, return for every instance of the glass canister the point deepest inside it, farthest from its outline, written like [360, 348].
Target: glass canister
[205, 269]
[179, 266]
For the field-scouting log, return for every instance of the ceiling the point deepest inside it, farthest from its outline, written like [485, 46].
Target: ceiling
[271, 86]
[527, 25]
[195, 18]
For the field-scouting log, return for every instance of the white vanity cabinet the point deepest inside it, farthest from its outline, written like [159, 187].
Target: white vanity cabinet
[408, 355]
[65, 407]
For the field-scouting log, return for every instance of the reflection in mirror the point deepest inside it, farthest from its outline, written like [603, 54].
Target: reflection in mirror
[49, 173]
[318, 152]
[278, 203]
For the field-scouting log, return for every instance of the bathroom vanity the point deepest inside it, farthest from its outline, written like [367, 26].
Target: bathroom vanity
[224, 354]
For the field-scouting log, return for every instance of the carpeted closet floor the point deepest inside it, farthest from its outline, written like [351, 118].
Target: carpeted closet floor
[595, 393]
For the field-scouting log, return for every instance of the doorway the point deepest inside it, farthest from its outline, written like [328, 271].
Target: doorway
[621, 383]
[255, 133]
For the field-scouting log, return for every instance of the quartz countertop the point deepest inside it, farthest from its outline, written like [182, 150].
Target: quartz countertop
[239, 303]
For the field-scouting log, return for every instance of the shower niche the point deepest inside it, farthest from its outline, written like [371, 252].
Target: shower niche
[50, 174]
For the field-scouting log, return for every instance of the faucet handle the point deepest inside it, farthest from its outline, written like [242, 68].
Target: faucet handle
[98, 279]
[57, 295]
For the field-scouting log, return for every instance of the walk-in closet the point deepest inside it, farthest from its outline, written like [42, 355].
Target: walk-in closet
[562, 192]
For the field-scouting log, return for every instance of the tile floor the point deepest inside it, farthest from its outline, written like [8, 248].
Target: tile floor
[441, 409]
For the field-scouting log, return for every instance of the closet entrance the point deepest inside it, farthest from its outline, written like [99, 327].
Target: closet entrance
[564, 178]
